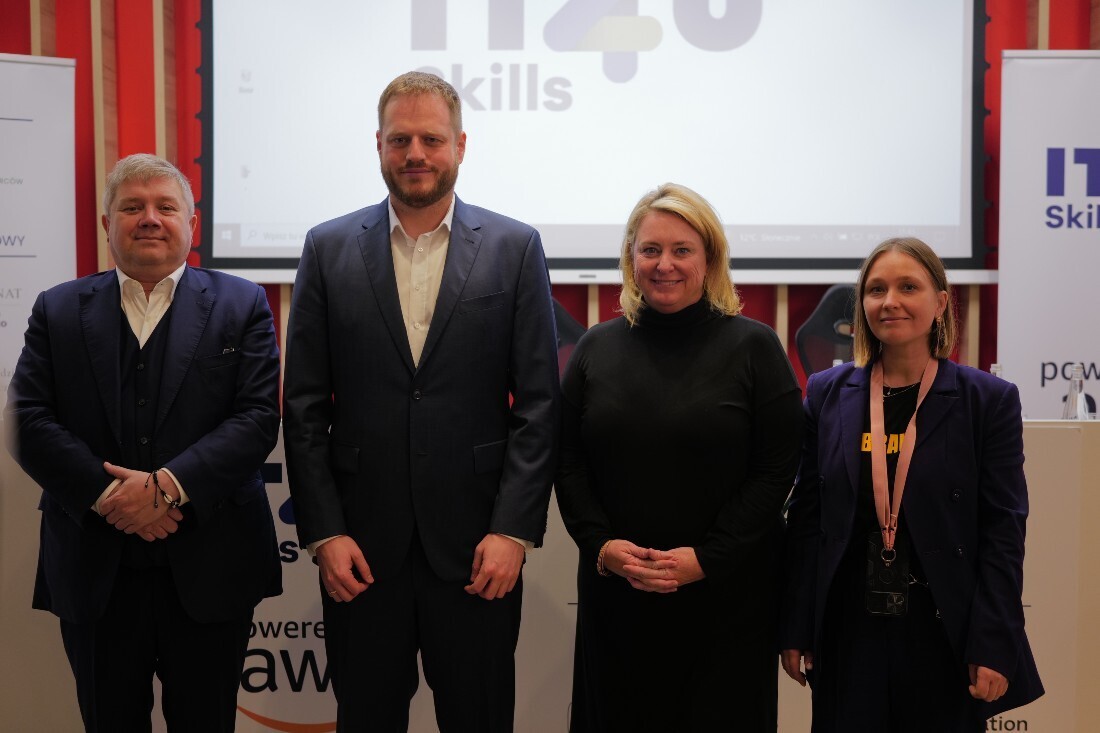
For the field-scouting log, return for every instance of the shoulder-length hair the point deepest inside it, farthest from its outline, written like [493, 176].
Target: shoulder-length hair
[718, 288]
[944, 333]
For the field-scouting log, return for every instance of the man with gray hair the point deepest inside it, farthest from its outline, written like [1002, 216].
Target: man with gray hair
[144, 403]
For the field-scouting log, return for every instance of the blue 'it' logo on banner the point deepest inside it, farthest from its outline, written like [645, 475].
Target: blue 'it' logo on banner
[1073, 215]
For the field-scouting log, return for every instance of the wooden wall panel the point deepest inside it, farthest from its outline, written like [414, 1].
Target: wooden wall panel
[1094, 25]
[44, 28]
[168, 96]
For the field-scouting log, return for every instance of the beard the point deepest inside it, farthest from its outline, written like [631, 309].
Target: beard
[420, 199]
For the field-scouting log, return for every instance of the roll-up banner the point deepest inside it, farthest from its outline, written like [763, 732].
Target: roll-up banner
[37, 191]
[37, 251]
[1049, 226]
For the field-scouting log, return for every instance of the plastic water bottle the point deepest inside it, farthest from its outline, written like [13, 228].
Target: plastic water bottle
[1076, 407]
[995, 370]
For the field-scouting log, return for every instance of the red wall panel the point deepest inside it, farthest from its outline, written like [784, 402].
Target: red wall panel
[188, 42]
[1069, 24]
[574, 298]
[74, 41]
[15, 26]
[1007, 29]
[136, 98]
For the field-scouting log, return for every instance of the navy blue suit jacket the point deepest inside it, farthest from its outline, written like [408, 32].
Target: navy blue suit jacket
[217, 421]
[965, 504]
[376, 446]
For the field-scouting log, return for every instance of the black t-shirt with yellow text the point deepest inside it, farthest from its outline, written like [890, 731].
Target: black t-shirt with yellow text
[898, 406]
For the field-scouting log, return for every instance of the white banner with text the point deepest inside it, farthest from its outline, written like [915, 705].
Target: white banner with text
[1049, 225]
[37, 191]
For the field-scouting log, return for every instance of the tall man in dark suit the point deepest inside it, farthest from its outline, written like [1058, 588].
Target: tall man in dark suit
[144, 403]
[421, 412]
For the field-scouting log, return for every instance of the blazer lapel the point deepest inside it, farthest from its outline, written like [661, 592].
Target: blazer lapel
[853, 404]
[100, 320]
[191, 308]
[374, 244]
[461, 253]
[943, 395]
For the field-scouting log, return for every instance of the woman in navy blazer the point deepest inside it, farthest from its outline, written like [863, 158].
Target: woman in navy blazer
[934, 639]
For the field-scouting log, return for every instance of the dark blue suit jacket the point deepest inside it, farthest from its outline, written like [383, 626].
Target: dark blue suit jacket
[217, 421]
[965, 504]
[376, 446]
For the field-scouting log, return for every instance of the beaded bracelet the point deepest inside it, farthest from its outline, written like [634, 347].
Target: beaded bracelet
[599, 560]
[172, 503]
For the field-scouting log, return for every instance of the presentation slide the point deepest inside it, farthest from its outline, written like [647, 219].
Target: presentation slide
[815, 129]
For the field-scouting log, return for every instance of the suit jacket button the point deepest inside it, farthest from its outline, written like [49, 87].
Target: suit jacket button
[959, 552]
[956, 495]
[416, 394]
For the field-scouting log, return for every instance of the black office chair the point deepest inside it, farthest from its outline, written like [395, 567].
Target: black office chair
[827, 333]
[569, 333]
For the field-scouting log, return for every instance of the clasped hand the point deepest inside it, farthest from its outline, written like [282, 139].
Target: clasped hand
[654, 571]
[130, 507]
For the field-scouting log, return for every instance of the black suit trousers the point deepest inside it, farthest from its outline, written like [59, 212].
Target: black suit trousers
[143, 632]
[467, 646]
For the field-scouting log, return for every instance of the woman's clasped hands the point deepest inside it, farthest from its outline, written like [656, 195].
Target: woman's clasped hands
[654, 571]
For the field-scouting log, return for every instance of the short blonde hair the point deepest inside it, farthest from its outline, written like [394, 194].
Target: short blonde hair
[412, 83]
[944, 333]
[672, 198]
[145, 167]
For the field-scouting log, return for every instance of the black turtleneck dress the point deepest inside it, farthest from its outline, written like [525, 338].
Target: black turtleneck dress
[681, 431]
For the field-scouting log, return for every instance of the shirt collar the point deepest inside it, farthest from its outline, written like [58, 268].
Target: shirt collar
[395, 223]
[172, 280]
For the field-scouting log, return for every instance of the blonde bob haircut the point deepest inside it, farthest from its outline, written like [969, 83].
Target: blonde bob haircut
[944, 333]
[718, 289]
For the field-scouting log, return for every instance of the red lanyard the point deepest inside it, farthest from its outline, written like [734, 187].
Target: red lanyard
[888, 522]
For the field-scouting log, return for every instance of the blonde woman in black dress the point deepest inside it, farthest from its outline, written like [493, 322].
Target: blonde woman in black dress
[680, 442]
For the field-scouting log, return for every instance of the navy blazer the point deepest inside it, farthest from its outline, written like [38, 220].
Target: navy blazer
[965, 505]
[376, 446]
[217, 421]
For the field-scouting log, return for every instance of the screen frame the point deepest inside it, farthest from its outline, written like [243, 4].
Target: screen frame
[600, 269]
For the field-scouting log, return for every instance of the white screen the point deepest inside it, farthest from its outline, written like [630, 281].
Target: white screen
[815, 128]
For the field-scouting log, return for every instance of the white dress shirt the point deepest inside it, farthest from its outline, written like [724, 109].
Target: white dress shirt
[144, 314]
